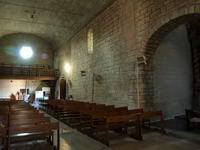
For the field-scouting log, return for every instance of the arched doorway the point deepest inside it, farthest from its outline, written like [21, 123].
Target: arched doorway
[63, 89]
[151, 48]
[173, 74]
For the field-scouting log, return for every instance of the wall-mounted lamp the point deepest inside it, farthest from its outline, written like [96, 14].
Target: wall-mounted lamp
[67, 68]
[141, 60]
[83, 73]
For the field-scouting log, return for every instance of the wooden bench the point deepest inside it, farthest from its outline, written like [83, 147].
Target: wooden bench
[26, 124]
[3, 126]
[192, 119]
[103, 118]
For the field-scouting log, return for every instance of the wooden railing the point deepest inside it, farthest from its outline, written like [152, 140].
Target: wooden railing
[17, 71]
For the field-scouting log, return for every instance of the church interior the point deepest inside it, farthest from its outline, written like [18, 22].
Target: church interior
[100, 74]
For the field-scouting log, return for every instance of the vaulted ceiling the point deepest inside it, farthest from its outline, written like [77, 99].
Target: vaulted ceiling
[53, 20]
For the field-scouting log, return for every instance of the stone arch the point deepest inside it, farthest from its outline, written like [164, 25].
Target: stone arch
[159, 35]
[173, 17]
[150, 47]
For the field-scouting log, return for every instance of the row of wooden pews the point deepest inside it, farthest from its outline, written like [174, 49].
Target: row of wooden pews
[98, 118]
[22, 124]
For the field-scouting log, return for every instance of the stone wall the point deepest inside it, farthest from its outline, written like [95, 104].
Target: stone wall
[173, 74]
[124, 31]
[165, 16]
[194, 37]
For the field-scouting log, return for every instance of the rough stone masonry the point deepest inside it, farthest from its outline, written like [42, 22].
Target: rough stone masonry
[124, 31]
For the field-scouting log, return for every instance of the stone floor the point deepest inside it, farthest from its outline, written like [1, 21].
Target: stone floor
[174, 140]
[71, 139]
[156, 141]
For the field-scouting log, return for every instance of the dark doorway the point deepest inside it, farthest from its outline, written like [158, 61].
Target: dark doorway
[62, 89]
[173, 74]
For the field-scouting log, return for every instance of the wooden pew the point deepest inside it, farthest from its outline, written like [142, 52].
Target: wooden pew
[21, 133]
[26, 123]
[3, 135]
[84, 115]
[116, 122]
[151, 115]
[26, 116]
[3, 129]
[32, 121]
[192, 119]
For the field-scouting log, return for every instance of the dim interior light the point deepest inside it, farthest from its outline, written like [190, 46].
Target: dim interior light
[67, 68]
[26, 52]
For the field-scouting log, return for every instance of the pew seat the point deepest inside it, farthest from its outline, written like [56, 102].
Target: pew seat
[24, 123]
[192, 119]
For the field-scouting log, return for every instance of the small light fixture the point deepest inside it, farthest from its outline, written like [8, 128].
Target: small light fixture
[83, 73]
[67, 68]
[26, 52]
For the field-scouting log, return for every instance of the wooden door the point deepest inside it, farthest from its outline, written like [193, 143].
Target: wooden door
[62, 89]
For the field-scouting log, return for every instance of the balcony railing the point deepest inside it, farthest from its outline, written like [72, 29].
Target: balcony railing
[39, 72]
